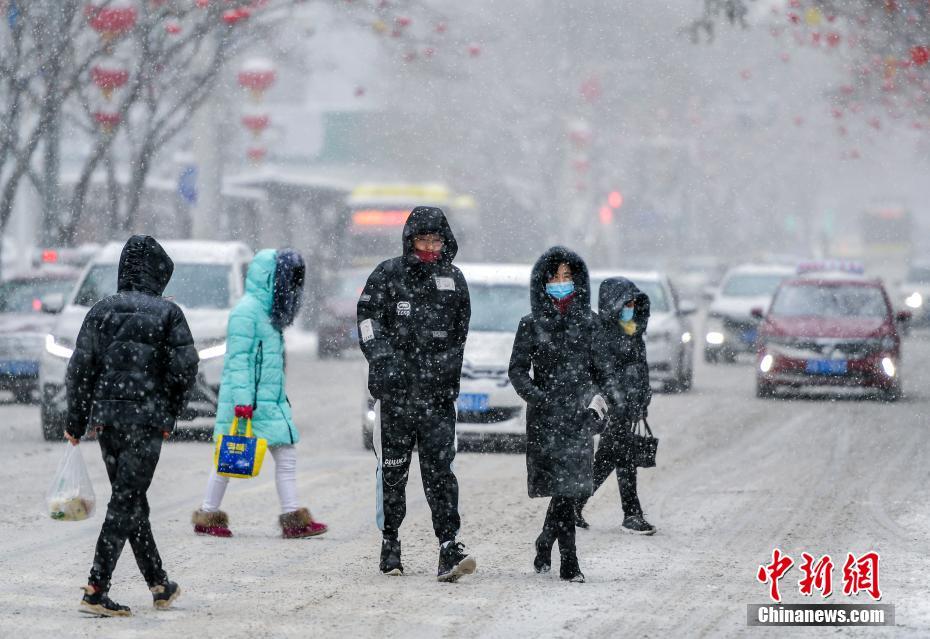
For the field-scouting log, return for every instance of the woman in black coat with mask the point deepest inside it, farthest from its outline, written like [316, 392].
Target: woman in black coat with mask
[622, 373]
[554, 341]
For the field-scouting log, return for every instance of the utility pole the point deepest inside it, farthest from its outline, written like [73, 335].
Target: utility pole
[208, 153]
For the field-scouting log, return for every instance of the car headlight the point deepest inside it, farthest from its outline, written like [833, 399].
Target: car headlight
[714, 337]
[686, 337]
[766, 364]
[212, 351]
[888, 366]
[914, 300]
[56, 348]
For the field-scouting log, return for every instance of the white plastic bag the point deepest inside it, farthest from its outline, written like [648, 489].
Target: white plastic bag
[71, 495]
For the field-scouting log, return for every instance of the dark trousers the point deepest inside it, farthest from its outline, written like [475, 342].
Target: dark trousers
[130, 454]
[614, 452]
[559, 525]
[428, 424]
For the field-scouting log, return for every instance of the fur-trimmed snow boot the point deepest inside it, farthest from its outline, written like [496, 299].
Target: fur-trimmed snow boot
[213, 524]
[299, 524]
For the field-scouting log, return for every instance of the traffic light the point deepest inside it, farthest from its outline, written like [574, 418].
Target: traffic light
[615, 199]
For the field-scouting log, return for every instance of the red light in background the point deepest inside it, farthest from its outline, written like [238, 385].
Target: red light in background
[378, 217]
[606, 214]
[37, 305]
[615, 199]
[49, 256]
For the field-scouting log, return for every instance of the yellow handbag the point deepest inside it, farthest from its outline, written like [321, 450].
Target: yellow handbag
[237, 455]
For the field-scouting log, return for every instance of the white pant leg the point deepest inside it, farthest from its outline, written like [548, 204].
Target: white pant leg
[285, 476]
[216, 488]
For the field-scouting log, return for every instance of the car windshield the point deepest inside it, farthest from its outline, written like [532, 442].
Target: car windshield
[25, 296]
[830, 301]
[919, 274]
[751, 285]
[498, 307]
[658, 300]
[191, 285]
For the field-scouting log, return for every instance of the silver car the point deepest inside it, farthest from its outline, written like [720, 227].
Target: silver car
[208, 279]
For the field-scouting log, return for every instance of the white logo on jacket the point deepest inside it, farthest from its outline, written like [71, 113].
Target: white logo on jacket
[403, 308]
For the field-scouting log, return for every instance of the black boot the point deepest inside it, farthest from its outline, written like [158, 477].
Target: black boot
[454, 562]
[579, 518]
[96, 602]
[390, 558]
[637, 525]
[163, 595]
[569, 570]
[543, 561]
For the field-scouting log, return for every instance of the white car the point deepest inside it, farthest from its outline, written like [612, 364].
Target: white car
[489, 409]
[208, 279]
[669, 336]
[730, 328]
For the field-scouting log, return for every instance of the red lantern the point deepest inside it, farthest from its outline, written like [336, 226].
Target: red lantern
[875, 123]
[441, 27]
[173, 28]
[256, 123]
[833, 39]
[402, 21]
[474, 50]
[233, 16]
[109, 77]
[107, 121]
[359, 92]
[920, 55]
[257, 76]
[256, 154]
[112, 20]
[591, 89]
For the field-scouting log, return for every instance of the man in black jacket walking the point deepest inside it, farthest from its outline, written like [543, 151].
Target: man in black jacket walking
[413, 319]
[133, 367]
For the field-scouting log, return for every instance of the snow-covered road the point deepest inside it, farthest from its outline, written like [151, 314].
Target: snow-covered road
[737, 477]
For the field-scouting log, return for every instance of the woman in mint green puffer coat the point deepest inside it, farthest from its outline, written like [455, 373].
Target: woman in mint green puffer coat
[253, 386]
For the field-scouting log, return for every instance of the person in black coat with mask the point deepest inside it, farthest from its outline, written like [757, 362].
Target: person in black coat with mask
[555, 342]
[622, 373]
[413, 319]
[133, 367]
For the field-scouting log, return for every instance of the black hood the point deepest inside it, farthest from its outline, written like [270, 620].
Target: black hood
[288, 292]
[144, 266]
[430, 219]
[614, 294]
[547, 264]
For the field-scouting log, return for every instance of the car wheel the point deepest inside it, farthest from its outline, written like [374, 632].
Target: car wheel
[53, 425]
[367, 439]
[764, 390]
[327, 350]
[711, 357]
[686, 379]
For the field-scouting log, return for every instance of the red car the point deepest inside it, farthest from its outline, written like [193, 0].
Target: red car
[832, 330]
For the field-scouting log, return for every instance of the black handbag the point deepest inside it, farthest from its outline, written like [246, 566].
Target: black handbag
[644, 444]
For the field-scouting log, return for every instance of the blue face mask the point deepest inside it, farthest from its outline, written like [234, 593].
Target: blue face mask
[626, 313]
[560, 290]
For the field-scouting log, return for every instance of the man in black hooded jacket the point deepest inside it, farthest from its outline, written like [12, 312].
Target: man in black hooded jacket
[132, 370]
[622, 374]
[413, 319]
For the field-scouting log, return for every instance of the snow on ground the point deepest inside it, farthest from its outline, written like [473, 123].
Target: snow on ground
[737, 476]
